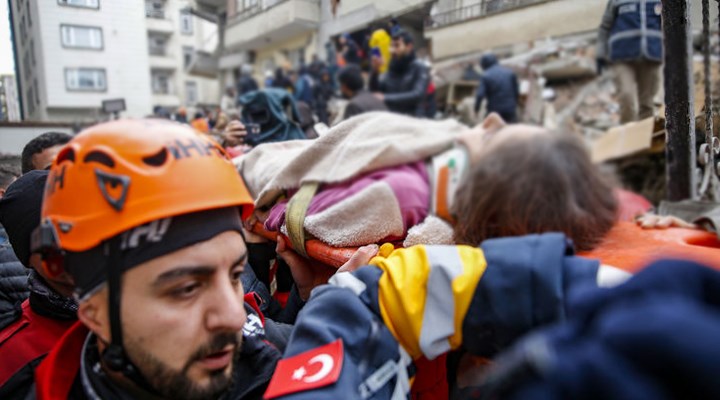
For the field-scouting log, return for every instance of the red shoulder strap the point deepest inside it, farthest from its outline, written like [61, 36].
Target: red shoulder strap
[55, 375]
[251, 299]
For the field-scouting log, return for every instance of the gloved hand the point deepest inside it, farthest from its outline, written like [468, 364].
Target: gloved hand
[601, 65]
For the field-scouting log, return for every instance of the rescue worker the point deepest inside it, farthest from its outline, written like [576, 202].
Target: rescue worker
[156, 251]
[630, 39]
[39, 152]
[403, 88]
[499, 85]
[33, 325]
[380, 48]
[358, 337]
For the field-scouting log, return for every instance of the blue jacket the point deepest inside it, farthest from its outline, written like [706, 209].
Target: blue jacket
[425, 301]
[499, 85]
[631, 30]
[654, 337]
[305, 89]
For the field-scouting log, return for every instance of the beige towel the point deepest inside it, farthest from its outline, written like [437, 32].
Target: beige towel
[361, 144]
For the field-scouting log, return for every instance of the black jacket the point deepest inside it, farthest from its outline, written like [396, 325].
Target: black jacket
[499, 86]
[253, 368]
[363, 102]
[404, 86]
[13, 285]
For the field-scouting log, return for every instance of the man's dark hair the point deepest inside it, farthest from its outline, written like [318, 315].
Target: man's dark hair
[38, 145]
[7, 174]
[405, 36]
[351, 77]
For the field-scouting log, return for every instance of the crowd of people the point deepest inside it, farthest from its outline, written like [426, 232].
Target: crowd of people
[138, 260]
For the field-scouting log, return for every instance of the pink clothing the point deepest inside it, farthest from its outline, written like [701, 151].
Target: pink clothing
[409, 183]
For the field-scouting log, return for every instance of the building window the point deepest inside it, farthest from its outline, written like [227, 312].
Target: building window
[188, 52]
[246, 4]
[80, 3]
[157, 45]
[86, 79]
[186, 23]
[29, 15]
[81, 37]
[32, 52]
[161, 82]
[191, 93]
[154, 9]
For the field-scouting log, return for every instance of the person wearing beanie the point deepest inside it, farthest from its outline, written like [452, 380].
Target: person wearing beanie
[30, 330]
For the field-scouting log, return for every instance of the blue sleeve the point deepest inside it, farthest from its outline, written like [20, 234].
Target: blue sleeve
[525, 285]
[337, 312]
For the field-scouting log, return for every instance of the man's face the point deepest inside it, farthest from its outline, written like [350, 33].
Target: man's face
[398, 48]
[182, 317]
[43, 159]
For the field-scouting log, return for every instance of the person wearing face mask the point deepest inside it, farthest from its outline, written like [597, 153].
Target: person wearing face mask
[403, 88]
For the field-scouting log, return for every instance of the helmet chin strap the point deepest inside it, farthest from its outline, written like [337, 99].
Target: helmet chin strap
[114, 356]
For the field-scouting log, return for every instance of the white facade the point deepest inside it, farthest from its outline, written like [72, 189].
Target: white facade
[174, 37]
[73, 54]
[9, 99]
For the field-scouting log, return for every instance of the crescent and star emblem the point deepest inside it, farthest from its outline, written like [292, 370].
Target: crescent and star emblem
[327, 362]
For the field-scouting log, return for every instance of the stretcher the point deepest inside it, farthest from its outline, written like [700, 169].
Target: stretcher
[626, 246]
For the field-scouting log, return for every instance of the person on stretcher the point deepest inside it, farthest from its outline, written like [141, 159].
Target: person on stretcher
[494, 180]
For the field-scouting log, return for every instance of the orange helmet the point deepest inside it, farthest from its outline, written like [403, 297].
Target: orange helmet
[118, 175]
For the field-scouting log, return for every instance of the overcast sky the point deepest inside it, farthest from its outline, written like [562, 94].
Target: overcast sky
[6, 54]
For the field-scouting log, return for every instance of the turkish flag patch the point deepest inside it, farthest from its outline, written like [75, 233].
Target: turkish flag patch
[306, 371]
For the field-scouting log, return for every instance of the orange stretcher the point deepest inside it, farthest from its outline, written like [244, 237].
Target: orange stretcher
[629, 247]
[626, 246]
[317, 250]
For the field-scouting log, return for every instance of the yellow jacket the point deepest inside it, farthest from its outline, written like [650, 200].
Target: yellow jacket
[381, 39]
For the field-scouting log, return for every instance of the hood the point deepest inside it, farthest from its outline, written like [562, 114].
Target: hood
[488, 60]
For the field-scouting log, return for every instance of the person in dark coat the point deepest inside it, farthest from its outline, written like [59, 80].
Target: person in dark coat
[304, 89]
[499, 85]
[34, 326]
[352, 87]
[281, 81]
[403, 88]
[323, 93]
[652, 338]
[13, 284]
[630, 40]
[349, 49]
[246, 83]
[13, 275]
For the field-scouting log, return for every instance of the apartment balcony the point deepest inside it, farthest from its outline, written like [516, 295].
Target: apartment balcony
[157, 21]
[215, 6]
[203, 64]
[271, 21]
[160, 59]
[497, 23]
[358, 14]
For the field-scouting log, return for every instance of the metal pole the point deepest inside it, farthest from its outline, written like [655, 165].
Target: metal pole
[679, 101]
